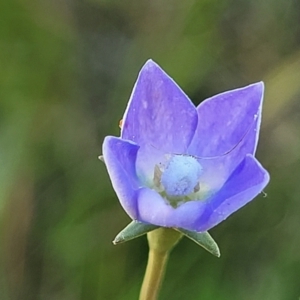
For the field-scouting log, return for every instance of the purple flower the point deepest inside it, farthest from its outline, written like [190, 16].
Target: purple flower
[177, 165]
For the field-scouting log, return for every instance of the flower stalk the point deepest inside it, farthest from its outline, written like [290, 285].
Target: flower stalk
[161, 241]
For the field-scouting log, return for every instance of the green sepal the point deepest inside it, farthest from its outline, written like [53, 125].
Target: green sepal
[203, 239]
[132, 231]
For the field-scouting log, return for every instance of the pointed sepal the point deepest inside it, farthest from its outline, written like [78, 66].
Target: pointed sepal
[132, 231]
[203, 239]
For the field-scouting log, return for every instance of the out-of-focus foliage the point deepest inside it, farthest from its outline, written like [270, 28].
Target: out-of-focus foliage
[66, 72]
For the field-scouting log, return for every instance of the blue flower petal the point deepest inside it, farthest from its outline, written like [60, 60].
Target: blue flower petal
[217, 170]
[245, 183]
[228, 118]
[155, 210]
[120, 158]
[160, 118]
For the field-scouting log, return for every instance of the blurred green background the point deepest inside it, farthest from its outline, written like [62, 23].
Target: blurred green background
[67, 68]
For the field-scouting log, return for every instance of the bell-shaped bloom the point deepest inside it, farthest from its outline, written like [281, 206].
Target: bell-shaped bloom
[181, 166]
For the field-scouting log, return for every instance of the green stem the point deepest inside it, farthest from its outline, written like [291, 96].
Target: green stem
[161, 241]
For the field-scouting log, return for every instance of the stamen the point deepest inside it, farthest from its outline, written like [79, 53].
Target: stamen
[157, 176]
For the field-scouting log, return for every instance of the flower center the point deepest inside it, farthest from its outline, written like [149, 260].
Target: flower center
[181, 176]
